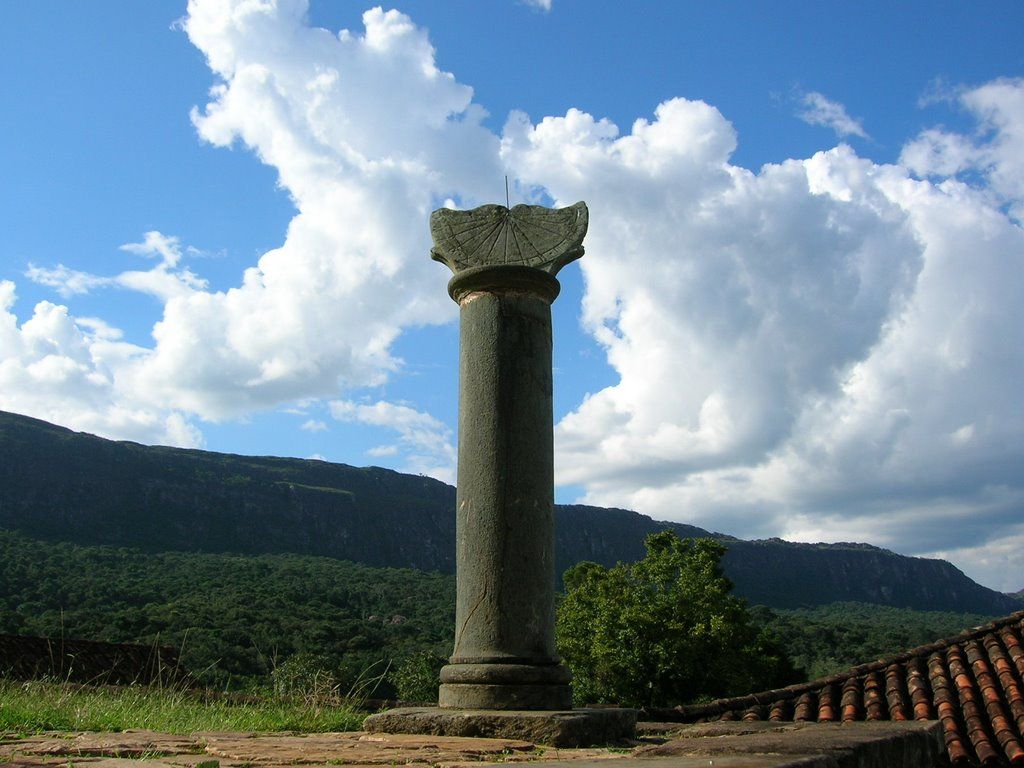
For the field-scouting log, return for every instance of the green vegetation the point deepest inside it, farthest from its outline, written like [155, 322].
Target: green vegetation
[417, 676]
[298, 626]
[58, 485]
[45, 706]
[829, 639]
[235, 618]
[664, 630]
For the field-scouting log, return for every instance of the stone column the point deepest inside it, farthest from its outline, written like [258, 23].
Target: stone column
[505, 263]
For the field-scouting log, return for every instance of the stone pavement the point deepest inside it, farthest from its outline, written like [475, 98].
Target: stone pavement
[660, 745]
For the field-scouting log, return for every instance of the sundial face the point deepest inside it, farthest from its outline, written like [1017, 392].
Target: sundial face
[493, 235]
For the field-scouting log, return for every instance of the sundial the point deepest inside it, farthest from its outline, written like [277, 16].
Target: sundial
[504, 664]
[494, 235]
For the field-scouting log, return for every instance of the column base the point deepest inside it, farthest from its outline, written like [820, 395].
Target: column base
[505, 687]
[568, 728]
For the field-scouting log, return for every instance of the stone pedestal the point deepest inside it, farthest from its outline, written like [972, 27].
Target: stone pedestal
[504, 283]
[504, 678]
[572, 728]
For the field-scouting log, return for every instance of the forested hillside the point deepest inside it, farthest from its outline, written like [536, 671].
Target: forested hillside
[233, 617]
[829, 639]
[237, 618]
[60, 485]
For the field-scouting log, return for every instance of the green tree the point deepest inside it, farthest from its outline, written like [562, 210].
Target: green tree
[663, 631]
[417, 676]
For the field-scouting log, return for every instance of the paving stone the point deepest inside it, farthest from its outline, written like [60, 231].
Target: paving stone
[134, 743]
[849, 745]
[379, 749]
[718, 761]
[720, 745]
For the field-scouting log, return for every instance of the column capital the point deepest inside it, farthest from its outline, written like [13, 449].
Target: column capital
[528, 236]
[504, 279]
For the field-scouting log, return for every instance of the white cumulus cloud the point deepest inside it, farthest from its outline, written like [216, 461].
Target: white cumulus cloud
[995, 150]
[66, 371]
[827, 349]
[367, 136]
[426, 442]
[817, 109]
[164, 281]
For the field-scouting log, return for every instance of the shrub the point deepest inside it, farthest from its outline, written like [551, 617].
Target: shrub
[416, 677]
[663, 631]
[306, 676]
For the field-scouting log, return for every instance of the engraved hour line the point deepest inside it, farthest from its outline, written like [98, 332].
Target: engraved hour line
[466, 234]
[472, 234]
[521, 230]
[478, 239]
[493, 242]
[516, 233]
[552, 230]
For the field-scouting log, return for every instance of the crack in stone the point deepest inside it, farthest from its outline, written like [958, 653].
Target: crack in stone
[469, 616]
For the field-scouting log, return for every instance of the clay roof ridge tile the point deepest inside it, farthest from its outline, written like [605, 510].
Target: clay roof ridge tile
[1011, 686]
[998, 717]
[687, 712]
[945, 709]
[972, 713]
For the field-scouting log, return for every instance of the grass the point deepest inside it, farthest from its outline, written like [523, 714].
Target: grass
[53, 706]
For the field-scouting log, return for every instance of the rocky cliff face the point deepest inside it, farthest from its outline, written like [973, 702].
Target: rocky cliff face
[787, 575]
[57, 484]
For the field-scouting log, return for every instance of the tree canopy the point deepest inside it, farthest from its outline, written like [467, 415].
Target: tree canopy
[663, 631]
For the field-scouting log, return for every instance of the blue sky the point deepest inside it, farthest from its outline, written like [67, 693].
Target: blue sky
[799, 310]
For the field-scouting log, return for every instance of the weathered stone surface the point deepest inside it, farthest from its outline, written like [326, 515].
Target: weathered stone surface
[692, 730]
[504, 262]
[504, 655]
[571, 728]
[719, 761]
[238, 750]
[366, 749]
[493, 235]
[849, 745]
[132, 743]
[728, 745]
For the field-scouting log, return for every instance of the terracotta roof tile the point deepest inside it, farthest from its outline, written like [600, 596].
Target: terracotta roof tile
[754, 713]
[828, 704]
[1007, 681]
[851, 701]
[972, 683]
[895, 693]
[806, 709]
[946, 708]
[920, 692]
[781, 711]
[875, 707]
[974, 719]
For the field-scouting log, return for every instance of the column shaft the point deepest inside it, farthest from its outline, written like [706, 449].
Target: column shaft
[504, 654]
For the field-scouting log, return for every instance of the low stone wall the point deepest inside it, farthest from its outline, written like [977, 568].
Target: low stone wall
[86, 661]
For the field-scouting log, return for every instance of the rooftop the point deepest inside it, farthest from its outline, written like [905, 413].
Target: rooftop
[971, 683]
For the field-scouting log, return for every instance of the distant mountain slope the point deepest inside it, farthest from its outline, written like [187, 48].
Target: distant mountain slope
[61, 485]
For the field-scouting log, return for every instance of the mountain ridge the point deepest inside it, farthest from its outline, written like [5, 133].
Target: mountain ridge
[57, 484]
